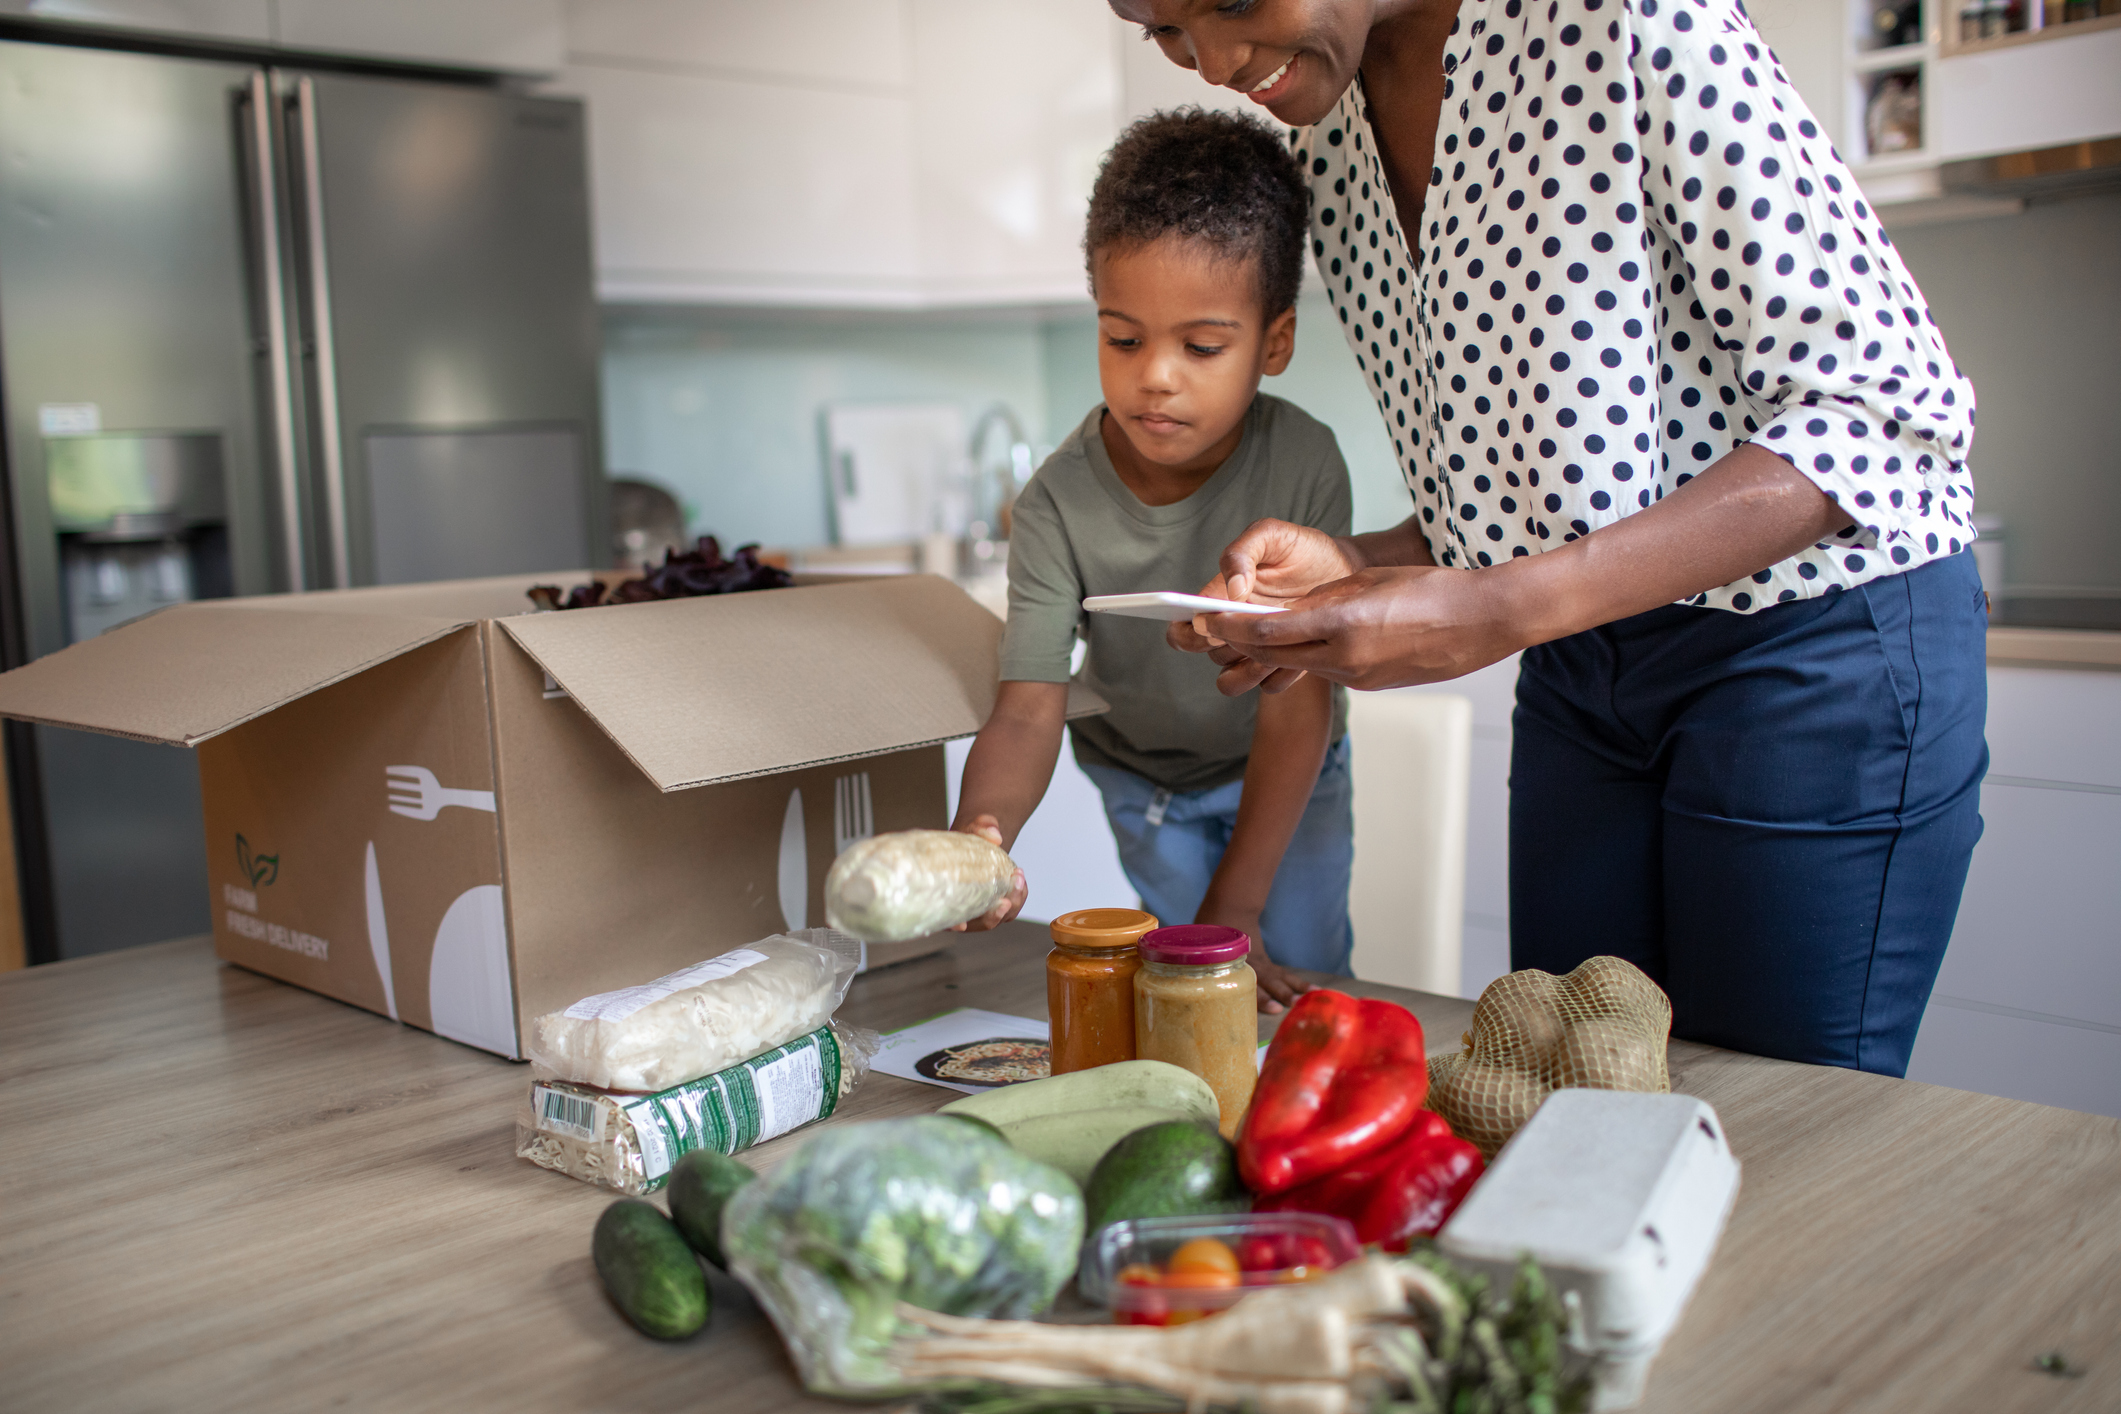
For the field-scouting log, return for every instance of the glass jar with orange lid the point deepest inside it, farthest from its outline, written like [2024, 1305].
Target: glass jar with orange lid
[1196, 1006]
[1090, 985]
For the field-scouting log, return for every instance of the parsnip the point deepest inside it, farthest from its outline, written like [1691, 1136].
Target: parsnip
[909, 884]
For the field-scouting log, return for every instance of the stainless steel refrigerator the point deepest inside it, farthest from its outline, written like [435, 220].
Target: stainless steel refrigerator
[264, 325]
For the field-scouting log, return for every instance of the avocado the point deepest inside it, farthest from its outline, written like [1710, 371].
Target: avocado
[652, 1276]
[1180, 1168]
[700, 1187]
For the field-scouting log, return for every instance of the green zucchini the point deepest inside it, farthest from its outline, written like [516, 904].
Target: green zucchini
[1073, 1142]
[1150, 1083]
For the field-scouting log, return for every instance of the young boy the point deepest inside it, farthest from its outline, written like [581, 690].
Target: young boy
[1195, 246]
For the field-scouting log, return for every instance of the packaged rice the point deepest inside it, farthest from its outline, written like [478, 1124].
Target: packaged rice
[629, 1142]
[698, 1020]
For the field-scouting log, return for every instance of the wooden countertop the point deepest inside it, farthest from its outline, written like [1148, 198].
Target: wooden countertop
[2054, 648]
[221, 1192]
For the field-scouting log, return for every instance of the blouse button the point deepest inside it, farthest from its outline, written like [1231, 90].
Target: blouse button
[1933, 479]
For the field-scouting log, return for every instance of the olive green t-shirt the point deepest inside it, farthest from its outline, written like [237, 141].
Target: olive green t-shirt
[1077, 531]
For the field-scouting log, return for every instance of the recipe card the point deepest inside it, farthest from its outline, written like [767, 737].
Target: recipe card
[968, 1050]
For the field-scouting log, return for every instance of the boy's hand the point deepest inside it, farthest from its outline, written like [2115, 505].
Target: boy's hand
[990, 829]
[1278, 986]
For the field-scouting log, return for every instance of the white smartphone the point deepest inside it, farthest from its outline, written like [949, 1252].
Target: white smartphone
[1169, 607]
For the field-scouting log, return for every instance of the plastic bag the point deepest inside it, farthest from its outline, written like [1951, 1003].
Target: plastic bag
[912, 883]
[1602, 1027]
[696, 1021]
[631, 1142]
[934, 1211]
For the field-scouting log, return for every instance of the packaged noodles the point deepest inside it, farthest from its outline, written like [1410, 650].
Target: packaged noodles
[630, 1141]
[700, 1019]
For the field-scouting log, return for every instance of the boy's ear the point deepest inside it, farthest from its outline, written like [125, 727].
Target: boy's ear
[1280, 343]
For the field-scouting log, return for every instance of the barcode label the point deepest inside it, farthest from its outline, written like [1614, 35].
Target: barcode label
[564, 1113]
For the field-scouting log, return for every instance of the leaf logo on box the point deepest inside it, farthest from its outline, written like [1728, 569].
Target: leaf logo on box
[260, 869]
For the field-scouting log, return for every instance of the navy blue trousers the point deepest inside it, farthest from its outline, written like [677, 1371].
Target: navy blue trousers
[1770, 814]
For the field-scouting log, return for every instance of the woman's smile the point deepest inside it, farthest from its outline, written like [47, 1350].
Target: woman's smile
[1275, 85]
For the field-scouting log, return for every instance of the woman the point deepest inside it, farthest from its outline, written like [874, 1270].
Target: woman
[1657, 378]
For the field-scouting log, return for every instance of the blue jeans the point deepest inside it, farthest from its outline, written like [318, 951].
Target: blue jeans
[1171, 841]
[1770, 814]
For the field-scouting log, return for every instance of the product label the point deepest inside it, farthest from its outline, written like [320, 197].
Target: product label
[562, 1113]
[617, 1006]
[746, 1104]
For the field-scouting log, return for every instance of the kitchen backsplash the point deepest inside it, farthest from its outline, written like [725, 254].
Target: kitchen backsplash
[723, 407]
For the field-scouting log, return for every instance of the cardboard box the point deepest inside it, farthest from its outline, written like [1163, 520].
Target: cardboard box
[430, 802]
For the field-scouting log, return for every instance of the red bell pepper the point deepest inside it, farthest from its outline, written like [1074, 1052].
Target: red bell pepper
[1343, 1078]
[1397, 1194]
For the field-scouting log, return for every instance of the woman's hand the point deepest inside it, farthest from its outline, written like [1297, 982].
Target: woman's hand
[990, 829]
[1386, 626]
[1273, 562]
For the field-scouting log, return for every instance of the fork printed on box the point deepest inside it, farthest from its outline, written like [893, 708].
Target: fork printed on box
[852, 819]
[415, 794]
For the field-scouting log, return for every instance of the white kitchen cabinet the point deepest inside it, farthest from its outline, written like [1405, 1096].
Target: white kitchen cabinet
[842, 153]
[2028, 1002]
[247, 20]
[737, 190]
[1486, 954]
[522, 35]
[1014, 105]
[865, 44]
[2055, 725]
[2061, 89]
[525, 35]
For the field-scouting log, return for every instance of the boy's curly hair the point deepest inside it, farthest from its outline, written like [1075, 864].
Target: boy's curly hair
[1216, 177]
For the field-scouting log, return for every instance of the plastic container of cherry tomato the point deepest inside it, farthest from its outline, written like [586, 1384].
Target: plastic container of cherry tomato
[1167, 1271]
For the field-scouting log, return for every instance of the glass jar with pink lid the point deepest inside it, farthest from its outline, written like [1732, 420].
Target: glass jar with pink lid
[1195, 1006]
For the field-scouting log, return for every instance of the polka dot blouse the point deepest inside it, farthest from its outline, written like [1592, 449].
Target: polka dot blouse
[1638, 252]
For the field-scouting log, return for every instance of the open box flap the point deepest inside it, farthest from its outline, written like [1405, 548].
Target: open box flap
[196, 670]
[696, 691]
[456, 599]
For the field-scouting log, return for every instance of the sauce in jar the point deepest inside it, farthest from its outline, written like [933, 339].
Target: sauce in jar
[1195, 1005]
[1090, 985]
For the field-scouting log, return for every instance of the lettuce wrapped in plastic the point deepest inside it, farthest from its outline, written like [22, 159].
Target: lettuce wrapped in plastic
[932, 1211]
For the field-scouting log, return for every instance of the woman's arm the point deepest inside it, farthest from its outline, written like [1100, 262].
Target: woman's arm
[1288, 747]
[1007, 772]
[1391, 626]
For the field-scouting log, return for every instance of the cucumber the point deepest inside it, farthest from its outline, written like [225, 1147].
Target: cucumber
[1075, 1141]
[652, 1276]
[1153, 1084]
[700, 1187]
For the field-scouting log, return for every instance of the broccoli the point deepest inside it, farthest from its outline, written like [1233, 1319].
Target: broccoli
[932, 1211]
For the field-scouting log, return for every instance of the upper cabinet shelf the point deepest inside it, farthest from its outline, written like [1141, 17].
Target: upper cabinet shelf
[1980, 28]
[1909, 85]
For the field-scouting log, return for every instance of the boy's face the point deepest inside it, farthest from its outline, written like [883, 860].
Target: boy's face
[1182, 346]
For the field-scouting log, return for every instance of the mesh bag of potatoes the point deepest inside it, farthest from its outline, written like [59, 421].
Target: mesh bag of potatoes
[1602, 1027]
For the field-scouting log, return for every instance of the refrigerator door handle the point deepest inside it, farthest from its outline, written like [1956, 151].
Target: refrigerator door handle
[331, 450]
[286, 473]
